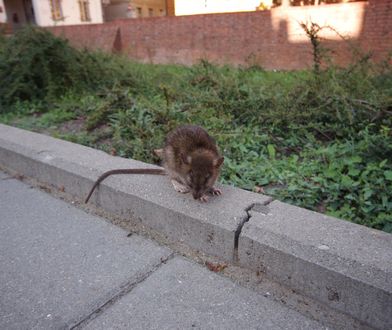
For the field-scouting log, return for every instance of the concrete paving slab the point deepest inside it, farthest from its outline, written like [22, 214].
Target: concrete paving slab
[184, 295]
[59, 264]
[344, 265]
[208, 227]
[273, 247]
[4, 175]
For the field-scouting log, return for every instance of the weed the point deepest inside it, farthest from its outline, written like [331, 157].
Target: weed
[321, 141]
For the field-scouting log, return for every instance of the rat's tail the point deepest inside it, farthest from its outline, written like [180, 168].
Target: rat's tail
[156, 171]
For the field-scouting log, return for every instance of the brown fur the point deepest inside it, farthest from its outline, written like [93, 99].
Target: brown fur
[191, 159]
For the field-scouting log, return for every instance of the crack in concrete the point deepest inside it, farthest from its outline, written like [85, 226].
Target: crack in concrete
[257, 207]
[123, 290]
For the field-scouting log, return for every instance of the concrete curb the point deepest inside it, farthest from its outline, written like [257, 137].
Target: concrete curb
[209, 227]
[343, 265]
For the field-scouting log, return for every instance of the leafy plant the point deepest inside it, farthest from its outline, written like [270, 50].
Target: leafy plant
[36, 65]
[321, 141]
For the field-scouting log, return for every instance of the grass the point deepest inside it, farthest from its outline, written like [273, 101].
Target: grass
[318, 140]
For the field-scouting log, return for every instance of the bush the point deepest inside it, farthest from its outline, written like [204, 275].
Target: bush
[36, 65]
[319, 139]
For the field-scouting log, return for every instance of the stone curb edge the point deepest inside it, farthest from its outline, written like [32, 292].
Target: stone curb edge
[338, 263]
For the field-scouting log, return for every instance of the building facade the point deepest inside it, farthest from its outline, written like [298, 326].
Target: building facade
[16, 13]
[120, 9]
[186, 7]
[150, 8]
[196, 7]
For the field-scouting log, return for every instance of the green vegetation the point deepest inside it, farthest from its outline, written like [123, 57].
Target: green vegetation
[321, 140]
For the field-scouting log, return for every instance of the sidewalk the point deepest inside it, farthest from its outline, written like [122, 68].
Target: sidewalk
[341, 268]
[61, 268]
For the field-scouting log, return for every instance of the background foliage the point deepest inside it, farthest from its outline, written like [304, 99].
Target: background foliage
[318, 139]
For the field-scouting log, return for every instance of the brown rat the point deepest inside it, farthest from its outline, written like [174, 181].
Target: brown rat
[190, 157]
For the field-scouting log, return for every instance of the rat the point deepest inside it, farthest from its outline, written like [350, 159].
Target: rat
[191, 159]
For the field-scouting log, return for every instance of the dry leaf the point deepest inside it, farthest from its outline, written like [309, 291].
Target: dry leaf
[215, 267]
[259, 190]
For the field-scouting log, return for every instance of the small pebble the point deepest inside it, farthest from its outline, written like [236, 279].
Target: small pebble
[323, 247]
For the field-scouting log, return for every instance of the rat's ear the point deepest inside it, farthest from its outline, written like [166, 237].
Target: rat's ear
[186, 159]
[219, 161]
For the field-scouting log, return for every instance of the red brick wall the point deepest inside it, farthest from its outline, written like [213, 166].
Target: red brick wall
[272, 39]
[5, 28]
[91, 36]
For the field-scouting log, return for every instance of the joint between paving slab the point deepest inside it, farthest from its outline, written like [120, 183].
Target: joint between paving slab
[124, 290]
[254, 206]
[7, 178]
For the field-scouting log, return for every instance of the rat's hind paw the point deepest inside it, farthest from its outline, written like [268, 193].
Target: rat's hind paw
[179, 187]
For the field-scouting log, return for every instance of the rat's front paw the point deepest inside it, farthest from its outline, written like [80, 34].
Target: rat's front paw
[215, 191]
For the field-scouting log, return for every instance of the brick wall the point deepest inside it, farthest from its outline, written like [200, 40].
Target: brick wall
[272, 39]
[5, 28]
[92, 36]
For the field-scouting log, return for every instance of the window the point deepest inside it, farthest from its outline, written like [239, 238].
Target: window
[57, 12]
[84, 8]
[150, 12]
[139, 11]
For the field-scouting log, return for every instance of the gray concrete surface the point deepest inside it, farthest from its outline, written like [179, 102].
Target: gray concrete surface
[59, 264]
[184, 295]
[151, 199]
[342, 264]
[61, 268]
